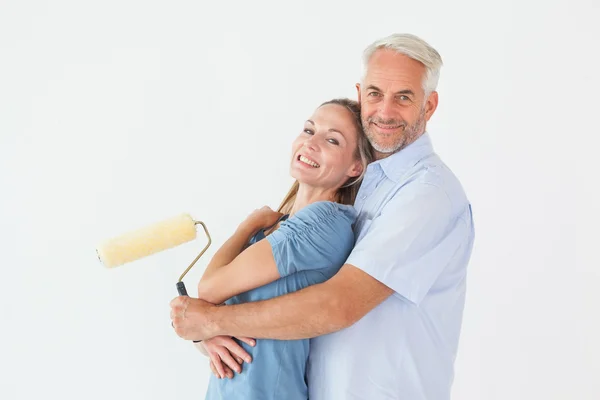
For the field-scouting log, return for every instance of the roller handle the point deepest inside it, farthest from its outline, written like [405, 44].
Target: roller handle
[181, 289]
[182, 292]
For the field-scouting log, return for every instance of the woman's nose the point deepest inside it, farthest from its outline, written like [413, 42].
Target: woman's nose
[312, 144]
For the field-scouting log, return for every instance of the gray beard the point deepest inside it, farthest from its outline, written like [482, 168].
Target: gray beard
[410, 133]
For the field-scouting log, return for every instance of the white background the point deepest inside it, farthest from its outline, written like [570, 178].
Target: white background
[118, 114]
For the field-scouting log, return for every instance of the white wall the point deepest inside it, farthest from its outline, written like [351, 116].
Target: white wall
[117, 114]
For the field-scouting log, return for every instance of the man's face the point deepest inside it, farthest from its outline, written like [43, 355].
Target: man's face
[394, 108]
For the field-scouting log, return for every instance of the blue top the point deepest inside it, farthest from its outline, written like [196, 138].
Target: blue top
[309, 248]
[415, 234]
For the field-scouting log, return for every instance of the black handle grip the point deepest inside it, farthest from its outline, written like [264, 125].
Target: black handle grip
[181, 289]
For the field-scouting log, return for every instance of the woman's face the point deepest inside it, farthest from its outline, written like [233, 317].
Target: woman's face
[323, 153]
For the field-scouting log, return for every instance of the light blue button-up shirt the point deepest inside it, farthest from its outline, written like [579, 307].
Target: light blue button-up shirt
[415, 234]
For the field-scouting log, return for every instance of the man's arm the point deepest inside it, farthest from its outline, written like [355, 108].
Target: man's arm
[316, 310]
[407, 246]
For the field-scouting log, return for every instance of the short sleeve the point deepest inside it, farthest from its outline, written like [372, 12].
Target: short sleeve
[409, 243]
[318, 236]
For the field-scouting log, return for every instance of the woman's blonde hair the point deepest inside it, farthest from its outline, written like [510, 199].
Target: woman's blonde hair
[347, 193]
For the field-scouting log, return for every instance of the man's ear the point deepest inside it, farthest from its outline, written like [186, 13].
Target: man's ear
[358, 91]
[430, 105]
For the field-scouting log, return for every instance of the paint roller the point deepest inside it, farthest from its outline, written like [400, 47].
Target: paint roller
[152, 239]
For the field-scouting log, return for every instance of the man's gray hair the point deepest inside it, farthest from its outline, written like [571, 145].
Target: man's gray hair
[415, 48]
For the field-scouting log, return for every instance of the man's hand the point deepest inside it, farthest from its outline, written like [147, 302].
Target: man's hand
[225, 350]
[191, 318]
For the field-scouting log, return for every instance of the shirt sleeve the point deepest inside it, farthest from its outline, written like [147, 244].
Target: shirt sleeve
[409, 243]
[318, 236]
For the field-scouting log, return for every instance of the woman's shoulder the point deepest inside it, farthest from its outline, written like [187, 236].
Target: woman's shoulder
[321, 211]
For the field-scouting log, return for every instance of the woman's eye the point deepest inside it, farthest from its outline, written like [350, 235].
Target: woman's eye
[309, 131]
[333, 141]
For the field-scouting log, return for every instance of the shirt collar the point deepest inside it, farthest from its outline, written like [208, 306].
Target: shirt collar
[398, 163]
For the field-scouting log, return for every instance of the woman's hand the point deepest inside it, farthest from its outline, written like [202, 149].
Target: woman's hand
[226, 355]
[261, 218]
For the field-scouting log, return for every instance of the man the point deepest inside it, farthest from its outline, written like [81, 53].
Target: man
[387, 325]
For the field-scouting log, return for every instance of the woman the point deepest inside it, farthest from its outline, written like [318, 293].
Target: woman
[307, 240]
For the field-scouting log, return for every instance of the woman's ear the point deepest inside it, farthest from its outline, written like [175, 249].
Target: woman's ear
[355, 169]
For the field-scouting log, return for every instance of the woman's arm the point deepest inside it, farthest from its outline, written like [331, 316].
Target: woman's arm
[229, 251]
[253, 267]
[225, 354]
[233, 270]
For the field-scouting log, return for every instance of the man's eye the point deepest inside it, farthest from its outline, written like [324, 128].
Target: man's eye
[373, 94]
[404, 98]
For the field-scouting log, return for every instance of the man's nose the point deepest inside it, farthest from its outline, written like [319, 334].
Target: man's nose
[386, 109]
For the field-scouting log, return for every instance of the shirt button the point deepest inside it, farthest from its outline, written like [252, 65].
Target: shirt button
[364, 197]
